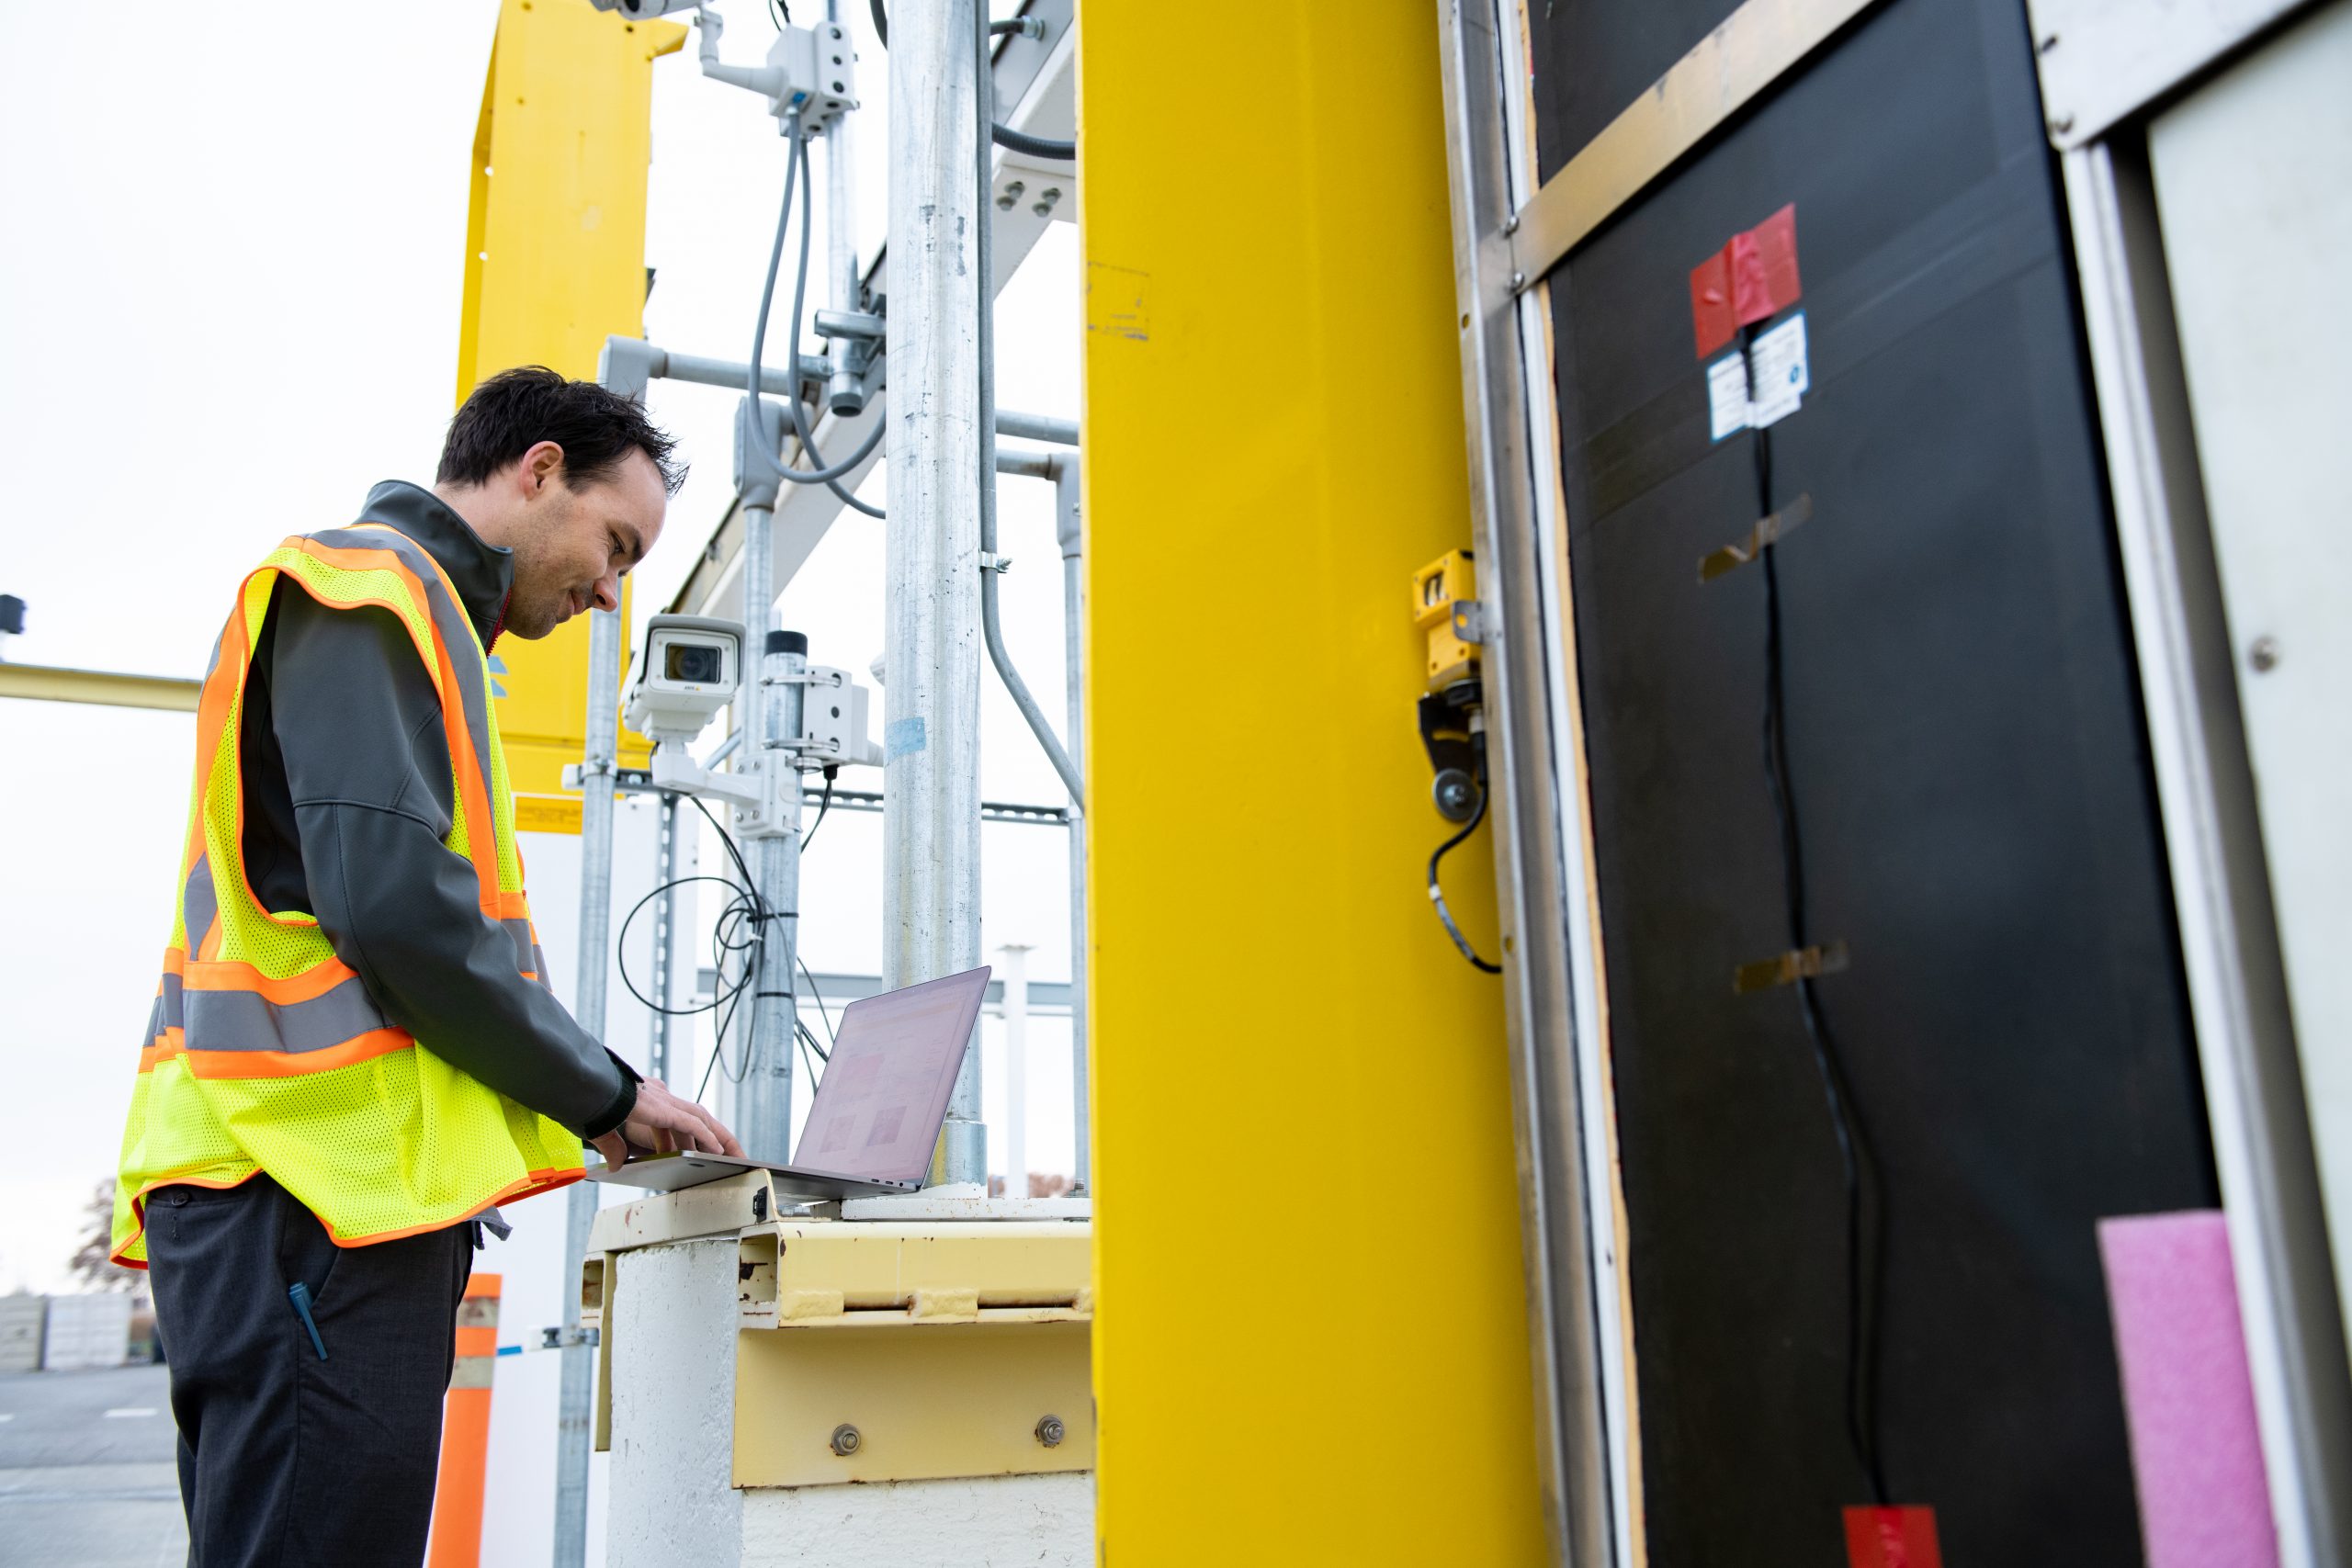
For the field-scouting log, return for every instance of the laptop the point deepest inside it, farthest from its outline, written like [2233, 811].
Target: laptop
[879, 1107]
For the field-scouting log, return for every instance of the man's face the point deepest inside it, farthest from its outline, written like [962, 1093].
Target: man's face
[573, 546]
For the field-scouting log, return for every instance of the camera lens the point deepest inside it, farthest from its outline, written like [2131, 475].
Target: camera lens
[684, 661]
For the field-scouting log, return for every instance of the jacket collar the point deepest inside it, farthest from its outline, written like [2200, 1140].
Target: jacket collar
[484, 574]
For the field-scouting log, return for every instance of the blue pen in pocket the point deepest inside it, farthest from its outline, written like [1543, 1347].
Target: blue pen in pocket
[299, 1295]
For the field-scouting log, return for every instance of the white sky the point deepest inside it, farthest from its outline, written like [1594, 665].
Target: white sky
[231, 296]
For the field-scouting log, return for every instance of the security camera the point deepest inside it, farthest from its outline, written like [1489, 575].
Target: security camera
[691, 668]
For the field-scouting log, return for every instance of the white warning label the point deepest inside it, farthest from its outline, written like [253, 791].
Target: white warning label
[1763, 386]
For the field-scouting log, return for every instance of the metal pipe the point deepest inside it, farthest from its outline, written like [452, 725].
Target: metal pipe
[727, 748]
[1070, 529]
[665, 926]
[43, 684]
[841, 235]
[1036, 427]
[776, 382]
[1039, 465]
[763, 1098]
[775, 379]
[992, 629]
[1026, 462]
[930, 821]
[579, 1371]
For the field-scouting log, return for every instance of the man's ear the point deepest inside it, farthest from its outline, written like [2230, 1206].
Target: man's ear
[541, 464]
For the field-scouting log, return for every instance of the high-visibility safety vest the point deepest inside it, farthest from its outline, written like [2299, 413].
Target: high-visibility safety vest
[264, 1051]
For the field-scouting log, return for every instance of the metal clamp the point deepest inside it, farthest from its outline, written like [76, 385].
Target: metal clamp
[1788, 968]
[1470, 622]
[991, 561]
[1767, 531]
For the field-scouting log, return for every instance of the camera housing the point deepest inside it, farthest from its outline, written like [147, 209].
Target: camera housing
[692, 667]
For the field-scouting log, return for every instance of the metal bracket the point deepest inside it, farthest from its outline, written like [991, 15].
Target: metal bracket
[1470, 621]
[990, 561]
[1745, 55]
[564, 1339]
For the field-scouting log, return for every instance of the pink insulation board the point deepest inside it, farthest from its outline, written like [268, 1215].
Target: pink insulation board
[2195, 1451]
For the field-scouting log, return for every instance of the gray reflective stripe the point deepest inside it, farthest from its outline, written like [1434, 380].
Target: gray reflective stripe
[527, 952]
[241, 1021]
[539, 965]
[166, 1013]
[449, 619]
[196, 906]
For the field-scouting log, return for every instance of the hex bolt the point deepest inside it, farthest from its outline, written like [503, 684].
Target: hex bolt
[1011, 194]
[1511, 224]
[1049, 1430]
[2062, 124]
[2264, 654]
[1518, 281]
[845, 1439]
[1045, 199]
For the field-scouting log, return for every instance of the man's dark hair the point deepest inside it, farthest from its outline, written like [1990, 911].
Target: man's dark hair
[516, 410]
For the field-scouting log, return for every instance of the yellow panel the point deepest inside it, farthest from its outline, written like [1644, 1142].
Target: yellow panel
[960, 1399]
[554, 261]
[1310, 1341]
[805, 1273]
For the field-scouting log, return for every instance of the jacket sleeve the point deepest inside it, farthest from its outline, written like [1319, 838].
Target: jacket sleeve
[367, 766]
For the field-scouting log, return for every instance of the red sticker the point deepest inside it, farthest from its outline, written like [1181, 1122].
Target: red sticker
[1711, 302]
[1892, 1537]
[1752, 279]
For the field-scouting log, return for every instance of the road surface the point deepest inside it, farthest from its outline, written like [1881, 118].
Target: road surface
[87, 1471]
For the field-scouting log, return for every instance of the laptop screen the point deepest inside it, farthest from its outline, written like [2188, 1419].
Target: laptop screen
[885, 1091]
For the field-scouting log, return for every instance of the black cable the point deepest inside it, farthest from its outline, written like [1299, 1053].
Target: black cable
[1865, 1270]
[821, 1011]
[824, 804]
[748, 906]
[1436, 894]
[1005, 136]
[780, 14]
[1014, 141]
[621, 945]
[750, 882]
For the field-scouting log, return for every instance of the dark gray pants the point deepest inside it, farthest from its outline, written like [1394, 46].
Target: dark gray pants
[286, 1461]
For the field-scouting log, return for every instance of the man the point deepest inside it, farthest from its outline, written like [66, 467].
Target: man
[353, 1055]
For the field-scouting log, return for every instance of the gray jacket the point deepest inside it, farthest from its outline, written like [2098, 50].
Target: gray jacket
[348, 793]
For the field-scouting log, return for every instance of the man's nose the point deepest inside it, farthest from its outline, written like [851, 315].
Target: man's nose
[608, 592]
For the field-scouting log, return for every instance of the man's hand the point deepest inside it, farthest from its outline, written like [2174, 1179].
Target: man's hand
[663, 1122]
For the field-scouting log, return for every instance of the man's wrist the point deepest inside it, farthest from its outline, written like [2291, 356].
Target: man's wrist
[610, 1119]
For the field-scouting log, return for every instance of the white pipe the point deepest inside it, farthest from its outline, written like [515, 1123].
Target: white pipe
[1016, 976]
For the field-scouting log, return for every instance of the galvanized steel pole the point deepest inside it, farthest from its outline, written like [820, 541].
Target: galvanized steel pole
[579, 1371]
[930, 821]
[1070, 527]
[763, 1099]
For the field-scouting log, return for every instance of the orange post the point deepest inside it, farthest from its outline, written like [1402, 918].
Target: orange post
[465, 1431]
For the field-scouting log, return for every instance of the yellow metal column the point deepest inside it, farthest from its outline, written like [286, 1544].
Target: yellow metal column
[554, 261]
[1311, 1346]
